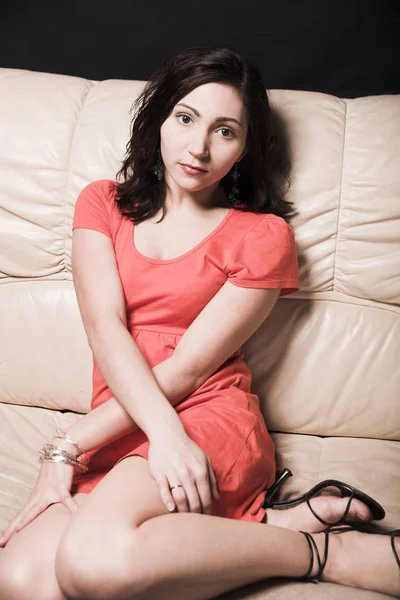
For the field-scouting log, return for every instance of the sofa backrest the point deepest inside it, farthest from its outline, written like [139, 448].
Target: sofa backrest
[325, 362]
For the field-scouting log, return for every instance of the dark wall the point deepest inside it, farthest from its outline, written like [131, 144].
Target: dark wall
[348, 49]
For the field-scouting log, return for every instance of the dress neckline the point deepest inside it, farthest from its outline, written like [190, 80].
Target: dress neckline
[160, 261]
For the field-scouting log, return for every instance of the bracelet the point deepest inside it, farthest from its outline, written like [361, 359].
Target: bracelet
[51, 453]
[63, 435]
[55, 450]
[63, 459]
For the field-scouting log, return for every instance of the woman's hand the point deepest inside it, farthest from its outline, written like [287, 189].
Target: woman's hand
[52, 485]
[179, 460]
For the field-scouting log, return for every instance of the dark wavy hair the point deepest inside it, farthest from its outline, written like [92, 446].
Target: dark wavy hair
[264, 170]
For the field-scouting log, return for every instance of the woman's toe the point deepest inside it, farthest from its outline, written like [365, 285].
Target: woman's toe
[358, 511]
[333, 508]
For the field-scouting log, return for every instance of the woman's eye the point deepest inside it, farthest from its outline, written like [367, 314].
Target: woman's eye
[179, 115]
[232, 133]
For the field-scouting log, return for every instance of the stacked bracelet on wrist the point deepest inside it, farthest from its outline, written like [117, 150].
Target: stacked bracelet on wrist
[63, 435]
[51, 453]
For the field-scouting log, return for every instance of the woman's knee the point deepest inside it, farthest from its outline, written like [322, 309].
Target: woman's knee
[23, 578]
[99, 567]
[27, 561]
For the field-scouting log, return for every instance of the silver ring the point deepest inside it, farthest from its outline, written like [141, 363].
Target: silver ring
[175, 486]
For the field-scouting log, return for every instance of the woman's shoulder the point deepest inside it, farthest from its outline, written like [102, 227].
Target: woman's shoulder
[106, 187]
[100, 193]
[95, 207]
[252, 220]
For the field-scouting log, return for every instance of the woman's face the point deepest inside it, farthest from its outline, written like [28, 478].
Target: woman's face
[207, 129]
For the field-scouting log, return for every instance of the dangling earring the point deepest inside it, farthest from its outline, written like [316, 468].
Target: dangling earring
[234, 193]
[159, 166]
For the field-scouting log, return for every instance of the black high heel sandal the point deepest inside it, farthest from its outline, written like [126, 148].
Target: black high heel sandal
[321, 563]
[345, 489]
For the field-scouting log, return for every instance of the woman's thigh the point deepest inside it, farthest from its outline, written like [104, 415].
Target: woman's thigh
[28, 559]
[124, 498]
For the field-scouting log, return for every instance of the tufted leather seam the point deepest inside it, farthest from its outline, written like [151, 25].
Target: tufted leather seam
[340, 197]
[90, 87]
[314, 296]
[320, 460]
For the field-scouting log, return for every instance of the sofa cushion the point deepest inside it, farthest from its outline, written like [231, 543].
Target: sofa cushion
[24, 430]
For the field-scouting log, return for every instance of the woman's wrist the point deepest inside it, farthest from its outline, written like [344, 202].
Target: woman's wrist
[166, 430]
[110, 421]
[64, 450]
[64, 445]
[52, 453]
[63, 440]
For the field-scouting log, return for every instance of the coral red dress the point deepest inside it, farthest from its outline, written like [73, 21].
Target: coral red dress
[162, 298]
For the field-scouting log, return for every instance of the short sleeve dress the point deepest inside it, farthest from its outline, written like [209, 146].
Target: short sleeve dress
[163, 297]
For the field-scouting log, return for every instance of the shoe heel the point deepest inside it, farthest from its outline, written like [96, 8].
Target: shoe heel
[275, 486]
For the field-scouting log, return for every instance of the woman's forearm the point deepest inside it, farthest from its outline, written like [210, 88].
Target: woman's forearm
[110, 420]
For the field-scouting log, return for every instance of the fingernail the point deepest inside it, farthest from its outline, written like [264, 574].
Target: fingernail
[361, 517]
[170, 506]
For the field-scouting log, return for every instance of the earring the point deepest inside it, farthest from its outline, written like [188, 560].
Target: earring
[159, 167]
[234, 193]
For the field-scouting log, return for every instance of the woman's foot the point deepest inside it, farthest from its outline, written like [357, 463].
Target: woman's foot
[360, 560]
[329, 508]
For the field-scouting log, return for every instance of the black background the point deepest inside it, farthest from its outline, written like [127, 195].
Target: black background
[347, 49]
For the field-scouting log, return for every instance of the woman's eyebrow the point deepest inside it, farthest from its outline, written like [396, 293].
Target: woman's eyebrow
[216, 120]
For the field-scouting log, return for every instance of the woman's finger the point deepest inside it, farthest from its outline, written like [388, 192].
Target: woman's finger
[165, 493]
[188, 498]
[197, 488]
[213, 479]
[28, 519]
[37, 509]
[204, 490]
[70, 503]
[34, 512]
[6, 534]
[13, 524]
[181, 496]
[23, 519]
[5, 537]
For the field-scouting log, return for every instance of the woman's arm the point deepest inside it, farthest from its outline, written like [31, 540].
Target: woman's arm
[110, 421]
[208, 342]
[101, 301]
[212, 337]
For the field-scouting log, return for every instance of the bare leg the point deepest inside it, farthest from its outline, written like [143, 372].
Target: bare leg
[201, 556]
[27, 561]
[141, 551]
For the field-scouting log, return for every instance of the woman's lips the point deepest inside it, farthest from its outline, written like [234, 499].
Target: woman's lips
[191, 170]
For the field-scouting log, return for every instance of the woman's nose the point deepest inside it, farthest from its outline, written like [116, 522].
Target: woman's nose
[199, 146]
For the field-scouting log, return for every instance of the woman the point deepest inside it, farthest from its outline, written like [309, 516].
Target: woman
[174, 268]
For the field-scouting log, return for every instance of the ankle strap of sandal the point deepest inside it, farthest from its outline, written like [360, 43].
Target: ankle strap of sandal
[321, 564]
[314, 548]
[394, 534]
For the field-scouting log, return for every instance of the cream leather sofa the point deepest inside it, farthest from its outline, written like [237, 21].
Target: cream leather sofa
[325, 363]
